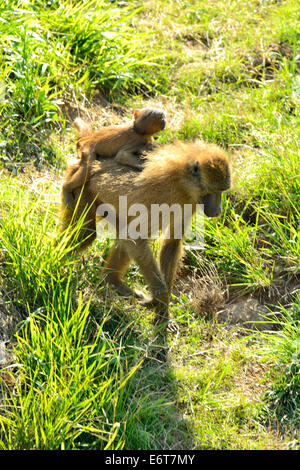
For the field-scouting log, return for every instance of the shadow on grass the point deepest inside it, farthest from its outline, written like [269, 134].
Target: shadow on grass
[150, 413]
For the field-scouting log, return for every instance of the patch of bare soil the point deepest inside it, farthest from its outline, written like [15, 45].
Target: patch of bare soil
[195, 40]
[210, 299]
[101, 113]
[248, 313]
[263, 63]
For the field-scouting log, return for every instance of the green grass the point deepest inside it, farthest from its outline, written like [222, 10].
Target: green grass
[69, 385]
[58, 54]
[283, 347]
[73, 373]
[80, 370]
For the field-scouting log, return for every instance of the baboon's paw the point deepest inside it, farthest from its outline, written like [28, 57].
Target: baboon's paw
[143, 299]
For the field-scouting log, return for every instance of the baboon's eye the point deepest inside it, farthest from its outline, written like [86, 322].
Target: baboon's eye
[195, 169]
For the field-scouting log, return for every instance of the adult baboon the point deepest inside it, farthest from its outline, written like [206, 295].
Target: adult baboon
[180, 173]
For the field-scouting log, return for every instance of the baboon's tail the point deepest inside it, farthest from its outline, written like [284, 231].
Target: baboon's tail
[66, 216]
[80, 224]
[82, 127]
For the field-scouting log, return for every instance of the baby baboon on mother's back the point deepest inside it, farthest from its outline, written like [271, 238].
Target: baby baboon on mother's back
[125, 143]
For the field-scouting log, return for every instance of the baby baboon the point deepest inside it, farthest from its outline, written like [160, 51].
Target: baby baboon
[177, 174]
[125, 143]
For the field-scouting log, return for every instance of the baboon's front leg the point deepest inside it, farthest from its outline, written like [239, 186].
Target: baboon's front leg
[141, 253]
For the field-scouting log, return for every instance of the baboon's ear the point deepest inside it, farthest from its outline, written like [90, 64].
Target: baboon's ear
[195, 169]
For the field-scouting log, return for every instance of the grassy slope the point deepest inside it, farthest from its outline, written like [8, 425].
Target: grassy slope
[226, 72]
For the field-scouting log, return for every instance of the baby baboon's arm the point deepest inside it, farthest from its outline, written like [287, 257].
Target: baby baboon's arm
[129, 157]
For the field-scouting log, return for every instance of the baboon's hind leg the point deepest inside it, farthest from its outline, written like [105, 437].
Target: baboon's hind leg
[117, 263]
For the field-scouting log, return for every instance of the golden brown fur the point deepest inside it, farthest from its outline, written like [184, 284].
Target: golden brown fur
[125, 143]
[179, 173]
